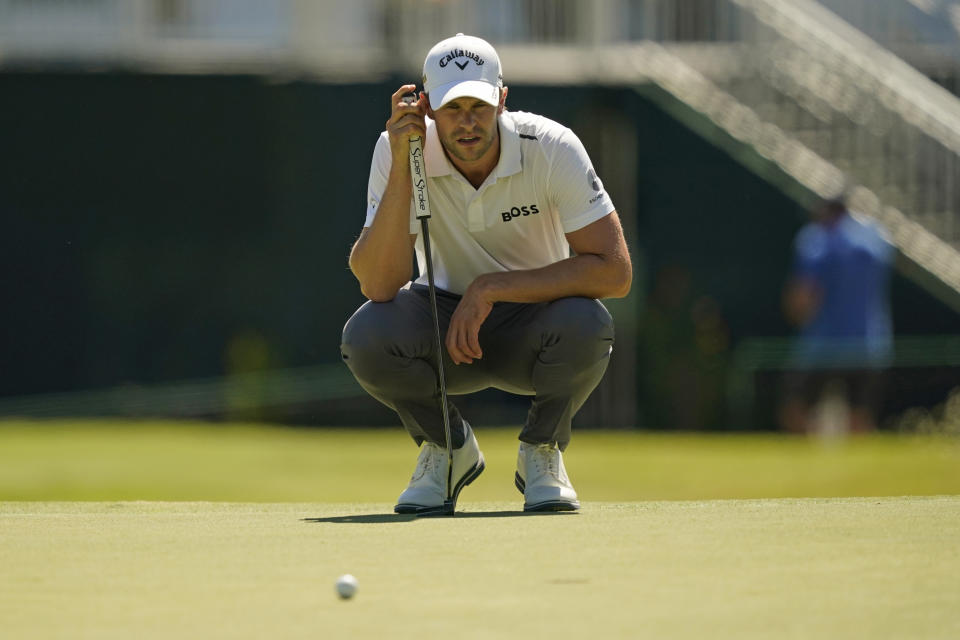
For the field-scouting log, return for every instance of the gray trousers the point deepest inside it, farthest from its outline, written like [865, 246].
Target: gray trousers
[555, 351]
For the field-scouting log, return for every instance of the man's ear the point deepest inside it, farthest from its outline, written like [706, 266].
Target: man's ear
[503, 100]
[426, 102]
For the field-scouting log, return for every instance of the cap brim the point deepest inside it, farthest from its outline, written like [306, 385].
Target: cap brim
[479, 89]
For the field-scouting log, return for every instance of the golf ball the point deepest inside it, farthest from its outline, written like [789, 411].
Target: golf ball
[346, 586]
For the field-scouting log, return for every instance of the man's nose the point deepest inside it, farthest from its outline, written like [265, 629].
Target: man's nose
[468, 119]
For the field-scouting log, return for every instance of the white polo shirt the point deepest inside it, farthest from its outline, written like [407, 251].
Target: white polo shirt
[543, 187]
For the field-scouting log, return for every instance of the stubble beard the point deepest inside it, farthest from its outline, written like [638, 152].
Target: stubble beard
[471, 155]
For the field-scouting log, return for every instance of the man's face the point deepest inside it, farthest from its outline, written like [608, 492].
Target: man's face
[467, 128]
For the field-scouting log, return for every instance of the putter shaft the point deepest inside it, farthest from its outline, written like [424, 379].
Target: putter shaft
[421, 200]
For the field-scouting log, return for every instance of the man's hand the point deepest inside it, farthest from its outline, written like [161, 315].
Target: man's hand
[405, 122]
[382, 257]
[801, 301]
[463, 334]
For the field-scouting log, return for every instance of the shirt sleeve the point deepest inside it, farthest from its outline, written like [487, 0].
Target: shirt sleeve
[377, 183]
[578, 193]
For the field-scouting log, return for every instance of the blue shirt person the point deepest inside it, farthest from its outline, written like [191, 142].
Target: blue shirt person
[838, 297]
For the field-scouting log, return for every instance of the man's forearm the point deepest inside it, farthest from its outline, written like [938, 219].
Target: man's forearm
[382, 257]
[587, 275]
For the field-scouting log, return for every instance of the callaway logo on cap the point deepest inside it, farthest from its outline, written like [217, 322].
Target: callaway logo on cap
[462, 66]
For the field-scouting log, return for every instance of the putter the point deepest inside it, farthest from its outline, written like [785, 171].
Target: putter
[418, 176]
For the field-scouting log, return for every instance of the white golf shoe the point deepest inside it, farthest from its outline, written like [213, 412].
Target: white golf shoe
[542, 479]
[427, 491]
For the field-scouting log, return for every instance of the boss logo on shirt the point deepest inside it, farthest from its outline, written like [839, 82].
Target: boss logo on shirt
[516, 212]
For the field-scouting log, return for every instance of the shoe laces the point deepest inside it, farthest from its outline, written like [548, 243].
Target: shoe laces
[546, 459]
[428, 462]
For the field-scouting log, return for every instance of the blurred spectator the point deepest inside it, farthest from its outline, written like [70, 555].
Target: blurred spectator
[837, 296]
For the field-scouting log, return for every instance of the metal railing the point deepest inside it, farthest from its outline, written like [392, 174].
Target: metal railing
[888, 128]
[924, 32]
[852, 102]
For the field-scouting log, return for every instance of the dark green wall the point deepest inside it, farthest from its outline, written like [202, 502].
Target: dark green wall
[151, 221]
[148, 219]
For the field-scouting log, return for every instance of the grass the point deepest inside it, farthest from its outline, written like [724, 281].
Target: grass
[84, 460]
[810, 568]
[158, 530]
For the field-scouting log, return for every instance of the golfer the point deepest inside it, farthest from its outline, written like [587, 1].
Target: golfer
[512, 193]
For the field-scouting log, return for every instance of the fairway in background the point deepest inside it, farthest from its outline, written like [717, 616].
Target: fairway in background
[151, 460]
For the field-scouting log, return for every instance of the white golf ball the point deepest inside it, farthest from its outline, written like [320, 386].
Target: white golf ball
[346, 586]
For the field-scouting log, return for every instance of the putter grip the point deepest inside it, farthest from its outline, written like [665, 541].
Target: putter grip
[418, 178]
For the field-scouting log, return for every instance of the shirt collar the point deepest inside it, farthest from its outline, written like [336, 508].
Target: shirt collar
[510, 158]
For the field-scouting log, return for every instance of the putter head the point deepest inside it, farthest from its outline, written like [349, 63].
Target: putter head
[449, 506]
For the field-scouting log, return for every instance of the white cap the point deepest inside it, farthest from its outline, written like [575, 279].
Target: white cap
[462, 66]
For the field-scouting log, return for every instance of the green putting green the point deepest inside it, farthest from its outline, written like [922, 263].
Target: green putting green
[797, 568]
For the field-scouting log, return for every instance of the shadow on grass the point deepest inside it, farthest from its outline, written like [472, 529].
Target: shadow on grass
[366, 518]
[379, 518]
